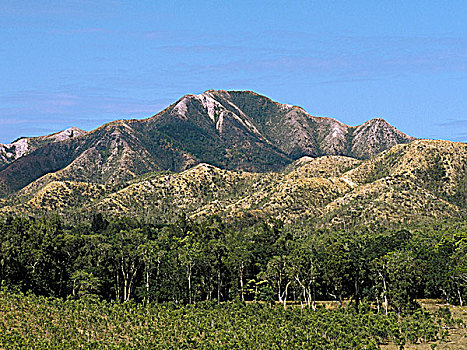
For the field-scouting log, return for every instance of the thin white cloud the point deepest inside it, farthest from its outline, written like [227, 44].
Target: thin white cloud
[453, 123]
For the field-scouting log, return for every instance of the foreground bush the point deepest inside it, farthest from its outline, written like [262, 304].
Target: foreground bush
[28, 321]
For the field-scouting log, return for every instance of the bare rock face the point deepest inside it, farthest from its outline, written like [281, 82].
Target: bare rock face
[296, 133]
[23, 146]
[12, 151]
[375, 136]
[232, 130]
[65, 134]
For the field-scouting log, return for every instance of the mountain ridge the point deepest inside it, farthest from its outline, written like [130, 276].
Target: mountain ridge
[395, 186]
[233, 130]
[24, 145]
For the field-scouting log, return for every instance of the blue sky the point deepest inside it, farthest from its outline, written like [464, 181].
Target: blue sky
[83, 63]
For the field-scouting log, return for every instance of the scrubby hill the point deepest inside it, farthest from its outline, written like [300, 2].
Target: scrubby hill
[421, 181]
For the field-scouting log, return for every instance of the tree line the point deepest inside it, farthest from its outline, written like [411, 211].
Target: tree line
[188, 261]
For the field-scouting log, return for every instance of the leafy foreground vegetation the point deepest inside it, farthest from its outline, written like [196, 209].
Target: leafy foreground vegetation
[125, 283]
[28, 321]
[187, 262]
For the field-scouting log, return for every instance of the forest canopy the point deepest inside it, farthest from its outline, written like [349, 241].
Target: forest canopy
[188, 262]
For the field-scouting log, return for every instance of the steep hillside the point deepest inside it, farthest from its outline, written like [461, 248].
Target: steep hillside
[201, 126]
[374, 137]
[326, 166]
[110, 154]
[417, 182]
[387, 200]
[299, 134]
[156, 194]
[23, 146]
[233, 130]
[184, 192]
[437, 166]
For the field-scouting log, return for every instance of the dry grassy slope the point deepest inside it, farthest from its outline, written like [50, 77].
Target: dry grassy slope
[205, 190]
[423, 180]
[302, 190]
[386, 200]
[326, 166]
[439, 166]
[186, 191]
[290, 198]
[57, 195]
[419, 181]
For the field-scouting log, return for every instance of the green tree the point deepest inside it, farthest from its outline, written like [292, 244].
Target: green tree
[397, 276]
[127, 260]
[458, 265]
[305, 269]
[85, 285]
[337, 267]
[238, 256]
[189, 253]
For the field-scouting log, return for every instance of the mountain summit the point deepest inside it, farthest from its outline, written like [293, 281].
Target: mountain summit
[234, 130]
[16, 149]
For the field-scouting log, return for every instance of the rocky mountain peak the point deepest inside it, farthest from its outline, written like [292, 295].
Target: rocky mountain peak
[375, 136]
[67, 134]
[232, 130]
[25, 145]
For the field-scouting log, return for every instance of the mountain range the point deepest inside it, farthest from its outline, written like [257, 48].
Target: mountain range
[236, 130]
[240, 155]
